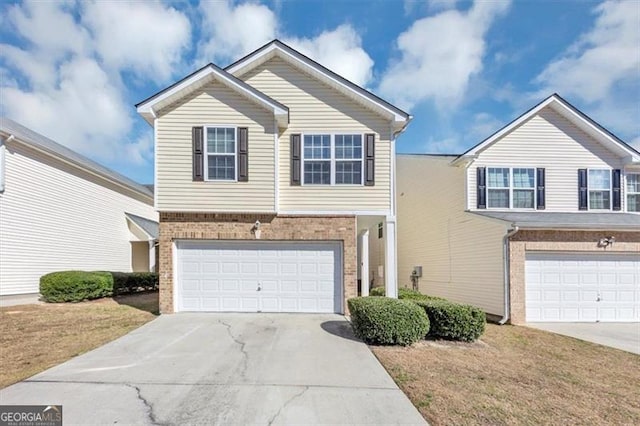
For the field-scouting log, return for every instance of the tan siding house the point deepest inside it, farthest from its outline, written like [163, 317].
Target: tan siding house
[538, 223]
[271, 174]
[61, 211]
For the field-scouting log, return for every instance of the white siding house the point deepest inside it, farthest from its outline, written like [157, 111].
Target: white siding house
[61, 211]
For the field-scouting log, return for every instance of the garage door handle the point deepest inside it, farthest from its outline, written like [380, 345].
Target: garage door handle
[259, 288]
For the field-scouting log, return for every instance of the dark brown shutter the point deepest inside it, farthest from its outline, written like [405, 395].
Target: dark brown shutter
[582, 189]
[481, 187]
[243, 154]
[197, 137]
[540, 189]
[615, 197]
[296, 159]
[369, 159]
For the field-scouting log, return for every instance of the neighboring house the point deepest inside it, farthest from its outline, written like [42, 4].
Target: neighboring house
[269, 175]
[60, 211]
[539, 222]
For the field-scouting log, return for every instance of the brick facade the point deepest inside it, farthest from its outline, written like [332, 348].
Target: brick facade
[560, 241]
[218, 226]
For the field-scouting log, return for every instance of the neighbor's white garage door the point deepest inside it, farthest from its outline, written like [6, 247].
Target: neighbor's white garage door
[259, 277]
[582, 287]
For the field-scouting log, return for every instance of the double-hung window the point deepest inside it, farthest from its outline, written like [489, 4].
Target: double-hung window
[633, 192]
[511, 188]
[317, 159]
[498, 187]
[221, 153]
[348, 150]
[524, 182]
[332, 159]
[599, 189]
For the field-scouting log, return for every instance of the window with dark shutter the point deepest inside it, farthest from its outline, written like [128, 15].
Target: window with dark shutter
[197, 137]
[540, 189]
[243, 154]
[295, 159]
[370, 159]
[616, 196]
[481, 186]
[582, 189]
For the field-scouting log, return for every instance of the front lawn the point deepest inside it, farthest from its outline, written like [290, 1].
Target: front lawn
[36, 337]
[517, 375]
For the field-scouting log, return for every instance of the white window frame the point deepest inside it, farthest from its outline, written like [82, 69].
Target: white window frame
[234, 154]
[333, 160]
[512, 187]
[626, 194]
[601, 190]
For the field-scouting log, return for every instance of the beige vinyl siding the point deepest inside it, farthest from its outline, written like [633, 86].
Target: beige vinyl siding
[551, 141]
[55, 217]
[317, 108]
[214, 105]
[460, 253]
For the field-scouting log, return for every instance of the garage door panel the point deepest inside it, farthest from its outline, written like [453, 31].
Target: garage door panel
[259, 276]
[587, 287]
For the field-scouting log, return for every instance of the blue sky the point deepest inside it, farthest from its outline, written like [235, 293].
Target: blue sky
[74, 70]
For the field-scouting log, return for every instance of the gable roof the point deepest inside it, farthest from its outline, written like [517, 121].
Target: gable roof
[198, 79]
[571, 113]
[277, 48]
[28, 137]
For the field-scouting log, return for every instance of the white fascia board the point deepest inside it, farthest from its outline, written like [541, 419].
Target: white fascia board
[242, 67]
[281, 113]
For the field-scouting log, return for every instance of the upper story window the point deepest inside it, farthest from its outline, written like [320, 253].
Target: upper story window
[633, 192]
[599, 189]
[221, 153]
[332, 159]
[510, 188]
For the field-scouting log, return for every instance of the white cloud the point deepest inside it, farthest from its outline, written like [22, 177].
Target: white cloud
[602, 57]
[66, 76]
[451, 145]
[339, 50]
[147, 38]
[230, 31]
[439, 54]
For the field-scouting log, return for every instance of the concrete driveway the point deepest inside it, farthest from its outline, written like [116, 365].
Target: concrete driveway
[624, 336]
[224, 369]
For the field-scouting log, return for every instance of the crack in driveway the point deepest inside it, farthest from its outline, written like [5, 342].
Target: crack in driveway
[150, 413]
[289, 401]
[236, 340]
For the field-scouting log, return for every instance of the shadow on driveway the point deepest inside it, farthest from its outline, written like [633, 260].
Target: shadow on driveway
[340, 328]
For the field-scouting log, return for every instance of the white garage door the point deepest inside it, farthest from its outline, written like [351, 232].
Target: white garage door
[259, 276]
[582, 287]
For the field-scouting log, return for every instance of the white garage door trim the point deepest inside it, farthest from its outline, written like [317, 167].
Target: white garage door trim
[582, 287]
[259, 276]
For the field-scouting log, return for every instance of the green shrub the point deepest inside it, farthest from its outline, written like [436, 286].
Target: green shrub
[404, 293]
[133, 282]
[385, 321]
[376, 291]
[453, 320]
[74, 286]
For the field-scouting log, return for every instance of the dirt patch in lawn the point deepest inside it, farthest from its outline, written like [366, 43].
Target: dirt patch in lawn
[517, 375]
[36, 337]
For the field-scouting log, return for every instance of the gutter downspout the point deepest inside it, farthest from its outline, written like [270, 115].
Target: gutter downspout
[507, 273]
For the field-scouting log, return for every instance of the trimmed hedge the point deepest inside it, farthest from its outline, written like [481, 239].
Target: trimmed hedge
[134, 282]
[75, 286]
[385, 321]
[454, 321]
[404, 293]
